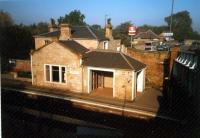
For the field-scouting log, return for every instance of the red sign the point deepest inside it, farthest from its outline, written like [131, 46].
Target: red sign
[131, 30]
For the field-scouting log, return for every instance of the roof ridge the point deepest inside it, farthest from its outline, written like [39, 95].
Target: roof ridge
[48, 32]
[105, 51]
[93, 34]
[127, 60]
[78, 45]
[43, 46]
[152, 32]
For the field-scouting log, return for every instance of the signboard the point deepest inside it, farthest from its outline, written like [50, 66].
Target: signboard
[168, 34]
[131, 30]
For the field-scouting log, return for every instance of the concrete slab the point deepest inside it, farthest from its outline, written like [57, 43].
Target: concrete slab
[102, 92]
[146, 103]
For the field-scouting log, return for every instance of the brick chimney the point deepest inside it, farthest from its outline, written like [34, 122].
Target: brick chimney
[52, 26]
[65, 32]
[108, 33]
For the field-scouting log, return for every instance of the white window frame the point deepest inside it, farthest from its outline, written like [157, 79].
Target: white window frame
[105, 44]
[60, 73]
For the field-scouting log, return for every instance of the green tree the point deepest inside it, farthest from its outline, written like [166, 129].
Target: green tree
[96, 27]
[156, 29]
[15, 42]
[53, 22]
[121, 32]
[182, 25]
[35, 29]
[73, 18]
[5, 19]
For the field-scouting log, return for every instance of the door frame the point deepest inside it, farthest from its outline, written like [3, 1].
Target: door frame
[99, 69]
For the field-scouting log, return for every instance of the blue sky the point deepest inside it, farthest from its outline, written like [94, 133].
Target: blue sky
[139, 12]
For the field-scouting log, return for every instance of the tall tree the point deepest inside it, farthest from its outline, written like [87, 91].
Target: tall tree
[5, 19]
[53, 22]
[73, 18]
[15, 42]
[121, 32]
[181, 25]
[35, 29]
[96, 27]
[156, 29]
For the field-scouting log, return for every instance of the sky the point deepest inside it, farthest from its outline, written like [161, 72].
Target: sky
[139, 12]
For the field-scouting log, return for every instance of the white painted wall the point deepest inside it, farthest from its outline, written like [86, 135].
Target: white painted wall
[133, 85]
[141, 81]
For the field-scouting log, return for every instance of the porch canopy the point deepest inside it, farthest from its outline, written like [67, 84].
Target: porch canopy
[112, 60]
[112, 71]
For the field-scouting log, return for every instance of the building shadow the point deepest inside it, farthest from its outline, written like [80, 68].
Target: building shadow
[180, 112]
[181, 99]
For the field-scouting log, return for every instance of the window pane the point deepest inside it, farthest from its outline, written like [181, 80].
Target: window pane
[47, 73]
[63, 74]
[55, 73]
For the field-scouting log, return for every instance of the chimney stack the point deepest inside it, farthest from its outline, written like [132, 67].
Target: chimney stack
[108, 33]
[65, 31]
[52, 26]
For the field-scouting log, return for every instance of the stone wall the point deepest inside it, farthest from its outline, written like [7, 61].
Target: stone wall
[123, 86]
[108, 81]
[85, 80]
[88, 43]
[55, 54]
[155, 61]
[40, 41]
[112, 45]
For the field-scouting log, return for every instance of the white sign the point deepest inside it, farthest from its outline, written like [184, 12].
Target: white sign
[131, 30]
[167, 34]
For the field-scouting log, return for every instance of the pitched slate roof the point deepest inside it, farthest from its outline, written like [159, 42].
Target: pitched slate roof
[78, 32]
[147, 35]
[74, 46]
[70, 44]
[111, 59]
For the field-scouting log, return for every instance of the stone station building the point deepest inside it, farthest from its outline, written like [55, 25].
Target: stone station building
[72, 59]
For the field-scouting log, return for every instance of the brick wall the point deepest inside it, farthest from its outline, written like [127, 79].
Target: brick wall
[154, 61]
[22, 65]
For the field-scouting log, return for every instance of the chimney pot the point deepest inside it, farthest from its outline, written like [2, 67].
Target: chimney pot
[108, 33]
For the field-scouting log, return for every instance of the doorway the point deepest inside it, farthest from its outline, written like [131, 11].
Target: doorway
[101, 82]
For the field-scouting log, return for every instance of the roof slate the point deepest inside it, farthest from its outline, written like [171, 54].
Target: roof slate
[74, 46]
[78, 32]
[147, 35]
[111, 59]
[70, 44]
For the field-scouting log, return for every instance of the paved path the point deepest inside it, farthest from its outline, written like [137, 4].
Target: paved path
[146, 105]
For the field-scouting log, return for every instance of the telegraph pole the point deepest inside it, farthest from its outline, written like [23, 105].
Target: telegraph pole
[170, 87]
[172, 10]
